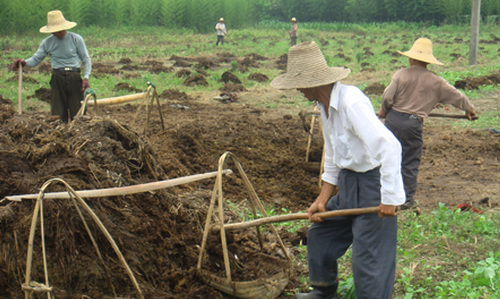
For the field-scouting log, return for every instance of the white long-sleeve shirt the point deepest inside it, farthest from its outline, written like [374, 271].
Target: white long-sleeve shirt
[221, 28]
[357, 140]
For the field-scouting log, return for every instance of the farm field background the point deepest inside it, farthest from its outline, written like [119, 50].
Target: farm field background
[441, 253]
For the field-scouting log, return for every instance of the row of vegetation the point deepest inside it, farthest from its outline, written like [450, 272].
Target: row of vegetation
[201, 15]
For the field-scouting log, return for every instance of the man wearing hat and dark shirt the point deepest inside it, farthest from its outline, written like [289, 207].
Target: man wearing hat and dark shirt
[409, 98]
[67, 53]
[362, 159]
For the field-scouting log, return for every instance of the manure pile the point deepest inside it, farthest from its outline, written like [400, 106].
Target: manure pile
[157, 232]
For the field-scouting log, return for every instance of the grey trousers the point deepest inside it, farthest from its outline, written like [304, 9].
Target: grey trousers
[408, 130]
[373, 239]
[66, 94]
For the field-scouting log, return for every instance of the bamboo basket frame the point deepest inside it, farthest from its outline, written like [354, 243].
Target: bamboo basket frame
[263, 288]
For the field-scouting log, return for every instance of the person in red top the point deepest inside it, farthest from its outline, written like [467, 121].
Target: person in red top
[409, 98]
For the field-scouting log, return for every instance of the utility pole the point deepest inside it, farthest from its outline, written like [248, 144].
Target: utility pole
[474, 31]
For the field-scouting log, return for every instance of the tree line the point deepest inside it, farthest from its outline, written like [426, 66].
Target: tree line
[201, 15]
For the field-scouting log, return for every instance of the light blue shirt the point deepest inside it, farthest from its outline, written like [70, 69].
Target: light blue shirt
[69, 51]
[357, 140]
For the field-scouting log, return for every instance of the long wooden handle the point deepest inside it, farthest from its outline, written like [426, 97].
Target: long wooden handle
[124, 190]
[296, 216]
[449, 115]
[20, 92]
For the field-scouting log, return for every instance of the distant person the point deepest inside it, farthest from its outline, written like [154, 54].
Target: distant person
[221, 31]
[67, 53]
[408, 99]
[293, 33]
[362, 160]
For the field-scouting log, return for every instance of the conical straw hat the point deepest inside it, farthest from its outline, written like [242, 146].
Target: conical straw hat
[422, 51]
[307, 68]
[293, 19]
[56, 22]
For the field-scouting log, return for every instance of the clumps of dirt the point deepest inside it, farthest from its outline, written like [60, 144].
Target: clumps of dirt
[202, 72]
[6, 110]
[342, 56]
[157, 69]
[131, 67]
[255, 57]
[230, 77]
[101, 68]
[282, 62]
[125, 60]
[376, 88]
[197, 79]
[259, 77]
[174, 94]
[43, 94]
[205, 63]
[153, 63]
[180, 62]
[248, 62]
[475, 83]
[232, 87]
[226, 57]
[324, 42]
[45, 67]
[183, 73]
[26, 79]
[5, 101]
[70, 151]
[126, 86]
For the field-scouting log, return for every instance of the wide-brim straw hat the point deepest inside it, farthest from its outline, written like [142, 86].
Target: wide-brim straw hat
[422, 51]
[293, 20]
[307, 68]
[221, 20]
[56, 22]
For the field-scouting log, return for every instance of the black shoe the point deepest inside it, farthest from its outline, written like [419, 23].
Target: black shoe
[329, 292]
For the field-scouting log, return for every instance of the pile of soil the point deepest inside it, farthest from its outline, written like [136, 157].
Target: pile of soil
[43, 94]
[127, 87]
[233, 87]
[158, 232]
[259, 77]
[197, 79]
[376, 88]
[229, 77]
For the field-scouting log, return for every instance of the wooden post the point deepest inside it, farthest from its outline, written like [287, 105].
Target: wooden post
[20, 92]
[474, 31]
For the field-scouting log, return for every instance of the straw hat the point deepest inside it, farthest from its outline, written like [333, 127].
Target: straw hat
[307, 68]
[293, 19]
[422, 51]
[221, 20]
[56, 22]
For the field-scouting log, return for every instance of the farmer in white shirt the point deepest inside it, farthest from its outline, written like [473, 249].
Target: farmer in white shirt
[362, 159]
[221, 31]
[67, 53]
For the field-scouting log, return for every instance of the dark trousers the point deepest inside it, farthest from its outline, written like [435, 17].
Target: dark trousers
[220, 39]
[408, 130]
[373, 239]
[293, 41]
[66, 94]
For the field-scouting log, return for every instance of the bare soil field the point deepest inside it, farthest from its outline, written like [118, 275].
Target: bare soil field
[160, 232]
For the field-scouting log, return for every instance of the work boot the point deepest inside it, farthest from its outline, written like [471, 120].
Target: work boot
[329, 292]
